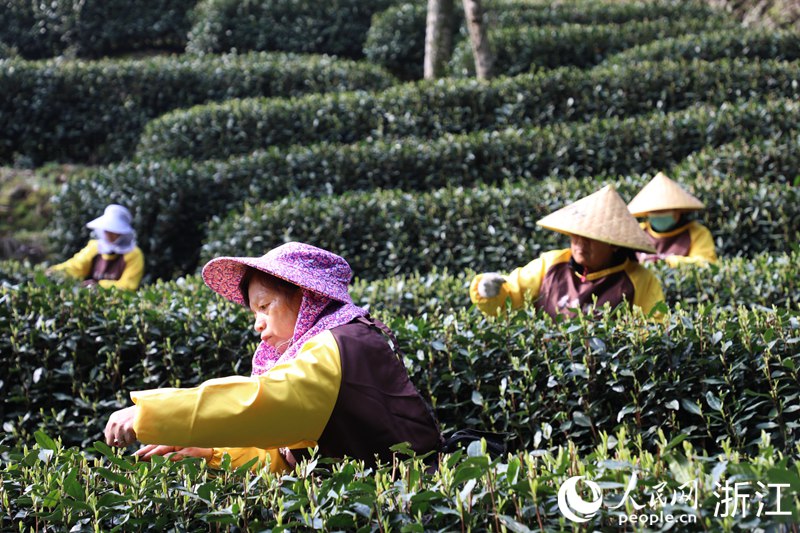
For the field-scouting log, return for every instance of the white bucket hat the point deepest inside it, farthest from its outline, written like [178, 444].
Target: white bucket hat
[115, 219]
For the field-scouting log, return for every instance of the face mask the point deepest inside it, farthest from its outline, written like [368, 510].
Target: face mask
[661, 222]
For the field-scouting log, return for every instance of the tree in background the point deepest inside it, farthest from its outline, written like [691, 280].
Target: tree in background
[473, 12]
[439, 38]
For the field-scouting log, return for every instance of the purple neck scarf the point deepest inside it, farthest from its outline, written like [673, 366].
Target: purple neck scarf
[317, 314]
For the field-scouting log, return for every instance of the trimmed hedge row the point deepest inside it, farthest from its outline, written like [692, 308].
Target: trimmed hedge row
[95, 111]
[337, 27]
[516, 13]
[714, 45]
[69, 366]
[521, 49]
[774, 159]
[172, 200]
[396, 39]
[385, 233]
[93, 28]
[219, 130]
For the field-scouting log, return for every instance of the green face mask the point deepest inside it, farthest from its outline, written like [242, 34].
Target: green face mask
[661, 222]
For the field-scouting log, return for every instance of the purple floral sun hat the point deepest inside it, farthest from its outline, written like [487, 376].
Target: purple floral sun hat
[301, 264]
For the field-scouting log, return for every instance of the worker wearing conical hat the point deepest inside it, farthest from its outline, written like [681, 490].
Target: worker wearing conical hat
[600, 264]
[676, 238]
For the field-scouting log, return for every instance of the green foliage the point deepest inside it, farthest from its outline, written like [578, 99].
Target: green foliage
[17, 22]
[49, 487]
[714, 45]
[484, 228]
[95, 111]
[763, 281]
[72, 355]
[219, 130]
[520, 13]
[6, 51]
[775, 159]
[521, 49]
[172, 200]
[67, 366]
[396, 40]
[726, 371]
[338, 27]
[93, 28]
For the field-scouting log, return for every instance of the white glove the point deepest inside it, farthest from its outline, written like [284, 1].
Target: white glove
[489, 285]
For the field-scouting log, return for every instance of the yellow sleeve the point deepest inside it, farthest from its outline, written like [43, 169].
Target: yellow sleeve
[287, 406]
[240, 456]
[131, 276]
[80, 264]
[522, 283]
[702, 250]
[647, 291]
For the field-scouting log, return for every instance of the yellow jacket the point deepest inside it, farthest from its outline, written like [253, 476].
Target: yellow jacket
[80, 267]
[697, 249]
[355, 401]
[532, 280]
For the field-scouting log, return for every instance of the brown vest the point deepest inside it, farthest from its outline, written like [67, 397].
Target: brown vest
[377, 406]
[107, 268]
[679, 244]
[562, 289]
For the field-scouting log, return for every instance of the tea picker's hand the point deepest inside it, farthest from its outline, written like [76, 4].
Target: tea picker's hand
[119, 429]
[489, 284]
[174, 453]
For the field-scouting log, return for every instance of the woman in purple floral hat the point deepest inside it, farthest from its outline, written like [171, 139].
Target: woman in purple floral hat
[324, 375]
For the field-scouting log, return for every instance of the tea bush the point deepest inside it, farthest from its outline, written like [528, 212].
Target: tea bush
[432, 109]
[172, 200]
[338, 27]
[93, 28]
[764, 281]
[396, 37]
[49, 487]
[521, 48]
[520, 13]
[6, 51]
[67, 366]
[485, 227]
[95, 111]
[775, 159]
[714, 45]
[713, 376]
[71, 355]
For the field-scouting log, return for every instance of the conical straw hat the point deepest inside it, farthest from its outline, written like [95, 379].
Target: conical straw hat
[602, 216]
[662, 194]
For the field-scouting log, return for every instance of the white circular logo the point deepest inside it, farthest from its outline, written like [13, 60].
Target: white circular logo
[569, 500]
